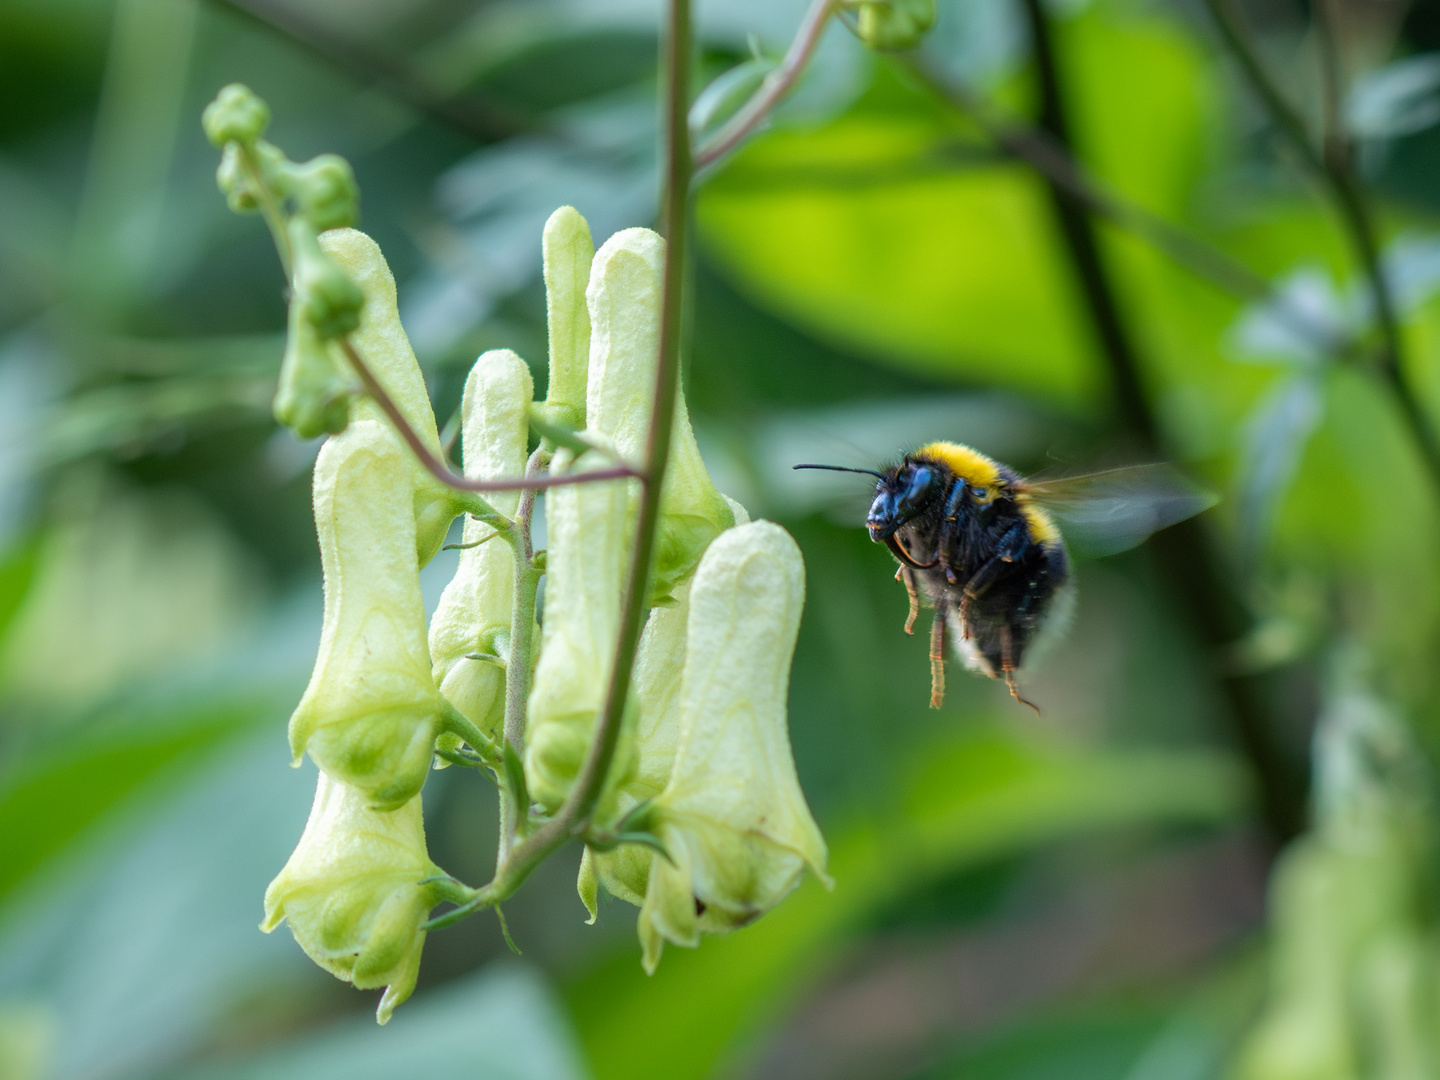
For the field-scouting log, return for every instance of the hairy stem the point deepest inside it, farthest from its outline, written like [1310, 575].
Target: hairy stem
[443, 472]
[774, 87]
[1186, 552]
[573, 817]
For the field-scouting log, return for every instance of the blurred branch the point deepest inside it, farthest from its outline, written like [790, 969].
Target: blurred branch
[775, 86]
[1187, 554]
[480, 120]
[1043, 152]
[1334, 168]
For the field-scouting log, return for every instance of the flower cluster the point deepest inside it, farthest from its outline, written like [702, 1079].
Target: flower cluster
[700, 820]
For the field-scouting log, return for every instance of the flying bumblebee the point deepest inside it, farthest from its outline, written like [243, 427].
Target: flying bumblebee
[981, 544]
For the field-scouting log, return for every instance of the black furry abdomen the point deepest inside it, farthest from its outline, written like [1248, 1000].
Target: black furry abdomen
[1002, 622]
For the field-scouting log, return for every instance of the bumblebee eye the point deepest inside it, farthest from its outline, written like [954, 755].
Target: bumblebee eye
[921, 481]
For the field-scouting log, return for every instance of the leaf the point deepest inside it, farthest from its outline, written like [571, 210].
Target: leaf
[501, 1022]
[1275, 437]
[1398, 99]
[969, 800]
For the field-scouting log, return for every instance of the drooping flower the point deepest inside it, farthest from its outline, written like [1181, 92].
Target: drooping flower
[473, 616]
[352, 892]
[381, 341]
[624, 295]
[586, 527]
[371, 712]
[732, 816]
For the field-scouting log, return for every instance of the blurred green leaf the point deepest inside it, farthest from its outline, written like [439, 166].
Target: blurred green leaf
[501, 1024]
[971, 800]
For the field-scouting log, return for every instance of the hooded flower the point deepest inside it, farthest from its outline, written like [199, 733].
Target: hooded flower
[659, 668]
[473, 616]
[381, 341]
[732, 816]
[626, 283]
[371, 712]
[585, 567]
[351, 892]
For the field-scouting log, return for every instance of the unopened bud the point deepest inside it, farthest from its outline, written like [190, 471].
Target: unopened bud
[236, 115]
[312, 397]
[894, 24]
[473, 616]
[568, 252]
[325, 191]
[585, 524]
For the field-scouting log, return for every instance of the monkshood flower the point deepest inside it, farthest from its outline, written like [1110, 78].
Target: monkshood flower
[624, 299]
[586, 525]
[473, 617]
[352, 892]
[371, 712]
[382, 341]
[659, 668]
[732, 818]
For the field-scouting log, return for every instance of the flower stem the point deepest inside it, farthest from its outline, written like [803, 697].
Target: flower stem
[774, 87]
[443, 472]
[573, 816]
[270, 211]
[518, 669]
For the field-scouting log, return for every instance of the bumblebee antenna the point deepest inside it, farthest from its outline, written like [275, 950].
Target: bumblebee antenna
[841, 468]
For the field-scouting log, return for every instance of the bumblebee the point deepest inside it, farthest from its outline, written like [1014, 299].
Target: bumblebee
[979, 544]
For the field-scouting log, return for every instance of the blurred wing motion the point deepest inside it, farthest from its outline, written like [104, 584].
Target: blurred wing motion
[1105, 512]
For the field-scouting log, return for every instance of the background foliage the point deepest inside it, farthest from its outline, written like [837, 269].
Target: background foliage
[1077, 896]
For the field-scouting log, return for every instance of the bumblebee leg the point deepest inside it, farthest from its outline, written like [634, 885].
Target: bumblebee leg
[1007, 666]
[908, 577]
[975, 588]
[937, 660]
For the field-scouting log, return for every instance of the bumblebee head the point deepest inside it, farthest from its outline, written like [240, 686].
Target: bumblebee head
[902, 494]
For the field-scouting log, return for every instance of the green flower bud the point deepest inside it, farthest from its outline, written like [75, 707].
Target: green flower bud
[313, 396]
[474, 611]
[732, 815]
[330, 301]
[568, 252]
[381, 341]
[351, 892]
[236, 115]
[659, 668]
[325, 191]
[624, 295]
[372, 712]
[895, 24]
[586, 527]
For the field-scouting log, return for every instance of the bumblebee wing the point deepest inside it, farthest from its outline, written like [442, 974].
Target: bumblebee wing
[1105, 512]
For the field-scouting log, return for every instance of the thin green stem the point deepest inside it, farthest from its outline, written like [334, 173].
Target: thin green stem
[1335, 170]
[774, 87]
[269, 210]
[518, 669]
[674, 211]
[444, 473]
[573, 817]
